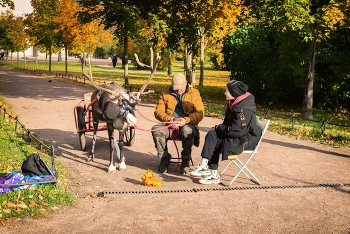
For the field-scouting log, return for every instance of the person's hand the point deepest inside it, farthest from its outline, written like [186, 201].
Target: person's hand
[179, 123]
[213, 126]
[182, 122]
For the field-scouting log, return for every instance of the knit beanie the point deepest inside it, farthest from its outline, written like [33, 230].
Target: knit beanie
[236, 88]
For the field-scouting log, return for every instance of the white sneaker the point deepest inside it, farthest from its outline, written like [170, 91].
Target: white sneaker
[211, 179]
[201, 171]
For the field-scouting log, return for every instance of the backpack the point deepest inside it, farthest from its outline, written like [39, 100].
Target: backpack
[34, 165]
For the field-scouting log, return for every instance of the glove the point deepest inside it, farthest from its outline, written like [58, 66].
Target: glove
[220, 131]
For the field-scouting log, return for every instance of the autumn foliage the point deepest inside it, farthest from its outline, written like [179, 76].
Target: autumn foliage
[149, 179]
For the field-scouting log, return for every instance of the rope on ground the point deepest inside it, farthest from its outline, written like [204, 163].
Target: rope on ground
[195, 190]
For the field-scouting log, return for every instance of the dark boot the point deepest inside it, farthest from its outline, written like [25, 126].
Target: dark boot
[163, 166]
[185, 166]
[169, 158]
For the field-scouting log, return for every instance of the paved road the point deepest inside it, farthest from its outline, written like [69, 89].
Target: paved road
[288, 201]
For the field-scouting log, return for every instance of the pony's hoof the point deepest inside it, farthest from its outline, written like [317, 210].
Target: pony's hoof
[122, 166]
[89, 159]
[112, 169]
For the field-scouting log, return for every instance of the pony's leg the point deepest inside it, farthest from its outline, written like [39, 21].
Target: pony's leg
[111, 167]
[92, 151]
[122, 164]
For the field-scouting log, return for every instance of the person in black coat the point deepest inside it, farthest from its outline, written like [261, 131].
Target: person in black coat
[239, 131]
[114, 60]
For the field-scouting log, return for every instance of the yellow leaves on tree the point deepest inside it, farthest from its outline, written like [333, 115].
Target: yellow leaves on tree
[68, 21]
[332, 16]
[15, 31]
[149, 179]
[225, 23]
[91, 36]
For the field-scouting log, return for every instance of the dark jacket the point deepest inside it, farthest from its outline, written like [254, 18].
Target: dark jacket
[240, 129]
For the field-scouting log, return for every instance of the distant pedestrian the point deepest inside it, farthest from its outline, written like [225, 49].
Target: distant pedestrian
[114, 60]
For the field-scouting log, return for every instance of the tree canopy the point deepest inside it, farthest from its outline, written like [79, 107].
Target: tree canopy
[308, 22]
[7, 3]
[288, 52]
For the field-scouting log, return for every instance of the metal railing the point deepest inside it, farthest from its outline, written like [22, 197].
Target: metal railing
[32, 140]
[268, 113]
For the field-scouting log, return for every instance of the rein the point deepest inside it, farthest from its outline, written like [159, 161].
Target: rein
[168, 124]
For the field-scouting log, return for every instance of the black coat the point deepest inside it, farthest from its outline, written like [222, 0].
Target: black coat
[114, 60]
[240, 129]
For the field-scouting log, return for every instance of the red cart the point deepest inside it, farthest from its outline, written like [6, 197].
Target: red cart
[84, 123]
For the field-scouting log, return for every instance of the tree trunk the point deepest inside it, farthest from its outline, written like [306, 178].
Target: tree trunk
[66, 57]
[59, 57]
[17, 58]
[201, 63]
[126, 61]
[24, 59]
[187, 66]
[169, 62]
[309, 86]
[193, 72]
[50, 53]
[36, 59]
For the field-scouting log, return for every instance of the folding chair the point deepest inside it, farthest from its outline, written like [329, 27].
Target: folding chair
[243, 166]
[177, 158]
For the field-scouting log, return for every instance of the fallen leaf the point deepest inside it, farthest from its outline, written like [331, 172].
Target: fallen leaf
[44, 204]
[94, 195]
[32, 203]
[162, 220]
[10, 204]
[7, 211]
[40, 197]
[42, 211]
[22, 205]
[55, 208]
[18, 210]
[149, 179]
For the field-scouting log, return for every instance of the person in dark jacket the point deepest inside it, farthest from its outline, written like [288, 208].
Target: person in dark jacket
[239, 131]
[114, 60]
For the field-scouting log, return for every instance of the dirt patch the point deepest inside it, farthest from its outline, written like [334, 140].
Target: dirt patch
[290, 199]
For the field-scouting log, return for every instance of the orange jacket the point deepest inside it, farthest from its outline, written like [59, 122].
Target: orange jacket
[191, 104]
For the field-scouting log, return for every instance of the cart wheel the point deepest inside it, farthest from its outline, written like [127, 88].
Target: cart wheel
[81, 126]
[82, 140]
[81, 118]
[129, 138]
